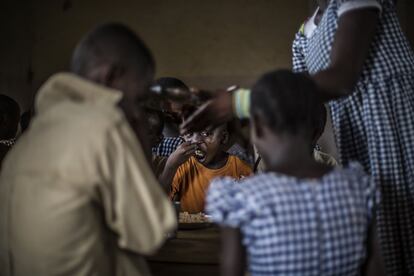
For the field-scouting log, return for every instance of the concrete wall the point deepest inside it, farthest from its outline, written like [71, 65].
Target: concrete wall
[207, 43]
[405, 13]
[16, 71]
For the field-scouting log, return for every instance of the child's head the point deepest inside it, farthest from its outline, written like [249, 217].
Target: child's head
[283, 105]
[155, 125]
[9, 117]
[210, 143]
[172, 109]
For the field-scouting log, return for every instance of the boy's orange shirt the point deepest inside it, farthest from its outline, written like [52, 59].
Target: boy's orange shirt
[192, 180]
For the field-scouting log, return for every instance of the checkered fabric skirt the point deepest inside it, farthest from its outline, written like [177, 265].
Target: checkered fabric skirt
[375, 125]
[379, 132]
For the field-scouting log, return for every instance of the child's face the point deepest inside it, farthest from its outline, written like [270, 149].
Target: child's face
[154, 130]
[209, 143]
[173, 111]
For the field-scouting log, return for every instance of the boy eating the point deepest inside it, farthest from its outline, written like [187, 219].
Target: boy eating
[201, 158]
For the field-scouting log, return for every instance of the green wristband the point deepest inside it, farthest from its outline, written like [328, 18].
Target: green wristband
[241, 103]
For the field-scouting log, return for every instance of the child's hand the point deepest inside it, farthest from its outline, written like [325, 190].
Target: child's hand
[176, 159]
[181, 154]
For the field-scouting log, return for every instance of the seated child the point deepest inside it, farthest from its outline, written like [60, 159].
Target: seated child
[300, 217]
[173, 112]
[155, 127]
[196, 162]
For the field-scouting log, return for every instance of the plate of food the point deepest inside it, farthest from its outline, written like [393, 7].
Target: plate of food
[193, 221]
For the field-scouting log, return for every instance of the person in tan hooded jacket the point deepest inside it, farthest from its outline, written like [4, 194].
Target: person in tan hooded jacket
[77, 196]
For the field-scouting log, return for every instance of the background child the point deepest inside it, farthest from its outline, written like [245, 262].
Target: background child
[301, 217]
[196, 162]
[173, 111]
[155, 126]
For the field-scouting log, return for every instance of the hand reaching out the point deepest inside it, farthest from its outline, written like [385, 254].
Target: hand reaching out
[213, 113]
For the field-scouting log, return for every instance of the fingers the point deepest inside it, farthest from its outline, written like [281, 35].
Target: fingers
[190, 152]
[187, 147]
[185, 151]
[184, 144]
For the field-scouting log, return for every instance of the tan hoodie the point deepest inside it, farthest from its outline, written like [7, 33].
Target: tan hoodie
[76, 190]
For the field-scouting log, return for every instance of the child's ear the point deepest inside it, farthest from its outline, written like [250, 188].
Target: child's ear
[257, 125]
[225, 137]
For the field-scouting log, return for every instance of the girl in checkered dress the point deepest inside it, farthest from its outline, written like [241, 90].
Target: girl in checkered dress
[359, 56]
[301, 217]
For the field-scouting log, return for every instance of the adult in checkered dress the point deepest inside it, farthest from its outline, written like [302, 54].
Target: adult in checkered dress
[375, 123]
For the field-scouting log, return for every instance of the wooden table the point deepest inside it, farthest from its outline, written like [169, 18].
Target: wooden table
[191, 252]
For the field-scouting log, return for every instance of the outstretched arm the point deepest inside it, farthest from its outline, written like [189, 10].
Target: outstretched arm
[353, 38]
[233, 253]
[374, 265]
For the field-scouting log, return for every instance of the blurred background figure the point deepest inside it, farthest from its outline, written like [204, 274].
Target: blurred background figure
[172, 109]
[172, 112]
[77, 195]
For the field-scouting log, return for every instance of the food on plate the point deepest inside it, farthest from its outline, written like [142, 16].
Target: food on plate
[185, 217]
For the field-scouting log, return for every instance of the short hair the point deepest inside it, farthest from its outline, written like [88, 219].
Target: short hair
[288, 101]
[170, 82]
[10, 117]
[112, 43]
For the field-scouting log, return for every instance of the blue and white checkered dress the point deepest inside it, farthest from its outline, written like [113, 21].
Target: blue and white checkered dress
[167, 146]
[293, 226]
[375, 125]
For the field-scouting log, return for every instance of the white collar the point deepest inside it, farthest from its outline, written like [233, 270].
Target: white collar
[310, 26]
